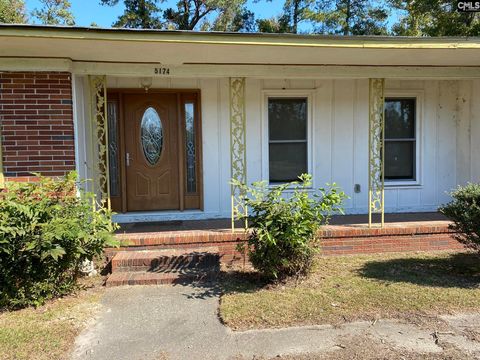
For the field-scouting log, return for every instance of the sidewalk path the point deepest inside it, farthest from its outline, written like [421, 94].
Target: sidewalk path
[181, 322]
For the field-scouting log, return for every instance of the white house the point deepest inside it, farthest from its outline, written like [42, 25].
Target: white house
[187, 111]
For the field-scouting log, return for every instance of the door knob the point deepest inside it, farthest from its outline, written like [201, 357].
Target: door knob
[128, 159]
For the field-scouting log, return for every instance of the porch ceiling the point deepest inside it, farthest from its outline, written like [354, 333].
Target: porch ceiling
[175, 48]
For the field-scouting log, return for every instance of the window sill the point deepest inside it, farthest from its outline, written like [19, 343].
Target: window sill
[403, 185]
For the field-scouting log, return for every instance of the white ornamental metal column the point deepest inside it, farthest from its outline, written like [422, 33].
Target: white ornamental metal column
[99, 136]
[238, 157]
[376, 144]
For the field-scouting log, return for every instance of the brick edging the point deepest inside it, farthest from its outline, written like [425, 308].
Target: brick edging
[338, 231]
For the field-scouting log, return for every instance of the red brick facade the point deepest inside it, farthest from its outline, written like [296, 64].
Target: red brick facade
[37, 124]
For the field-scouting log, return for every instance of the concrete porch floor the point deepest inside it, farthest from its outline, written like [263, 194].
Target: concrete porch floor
[222, 224]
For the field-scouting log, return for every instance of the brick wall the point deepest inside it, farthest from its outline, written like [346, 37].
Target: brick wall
[404, 237]
[335, 240]
[37, 124]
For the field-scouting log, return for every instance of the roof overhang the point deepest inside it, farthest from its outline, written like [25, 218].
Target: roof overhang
[87, 48]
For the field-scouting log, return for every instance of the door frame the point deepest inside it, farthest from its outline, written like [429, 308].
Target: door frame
[188, 201]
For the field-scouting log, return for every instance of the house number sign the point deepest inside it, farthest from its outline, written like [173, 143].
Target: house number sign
[161, 71]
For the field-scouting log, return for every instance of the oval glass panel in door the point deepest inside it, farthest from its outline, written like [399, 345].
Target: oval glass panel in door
[152, 135]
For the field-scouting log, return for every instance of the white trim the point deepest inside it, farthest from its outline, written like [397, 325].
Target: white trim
[266, 71]
[309, 94]
[75, 124]
[154, 216]
[81, 143]
[259, 71]
[418, 95]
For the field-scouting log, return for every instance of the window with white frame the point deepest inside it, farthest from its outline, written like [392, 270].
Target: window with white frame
[287, 138]
[400, 139]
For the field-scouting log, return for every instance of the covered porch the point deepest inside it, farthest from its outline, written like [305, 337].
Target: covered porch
[215, 91]
[345, 142]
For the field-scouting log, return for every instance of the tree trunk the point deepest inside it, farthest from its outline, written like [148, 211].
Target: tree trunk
[295, 16]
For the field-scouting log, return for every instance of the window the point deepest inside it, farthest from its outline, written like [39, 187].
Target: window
[287, 138]
[113, 152]
[400, 139]
[190, 147]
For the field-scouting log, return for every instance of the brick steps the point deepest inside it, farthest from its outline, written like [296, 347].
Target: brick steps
[164, 266]
[183, 238]
[165, 259]
[335, 240]
[158, 278]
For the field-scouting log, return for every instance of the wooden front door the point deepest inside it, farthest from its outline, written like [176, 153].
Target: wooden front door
[151, 150]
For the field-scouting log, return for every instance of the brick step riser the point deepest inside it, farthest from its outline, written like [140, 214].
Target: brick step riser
[176, 269]
[184, 279]
[166, 263]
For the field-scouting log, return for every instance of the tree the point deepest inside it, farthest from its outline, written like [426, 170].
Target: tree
[294, 12]
[242, 20]
[349, 17]
[54, 12]
[139, 14]
[279, 24]
[228, 15]
[434, 18]
[297, 11]
[12, 12]
[189, 14]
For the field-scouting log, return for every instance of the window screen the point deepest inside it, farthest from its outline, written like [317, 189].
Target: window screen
[400, 139]
[287, 128]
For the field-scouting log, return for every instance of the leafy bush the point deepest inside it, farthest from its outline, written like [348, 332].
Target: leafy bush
[46, 231]
[284, 225]
[464, 211]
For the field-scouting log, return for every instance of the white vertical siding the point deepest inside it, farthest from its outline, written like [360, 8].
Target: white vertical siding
[447, 142]
[212, 149]
[360, 140]
[463, 147]
[449, 136]
[429, 136]
[475, 132]
[323, 130]
[342, 136]
[446, 139]
[254, 131]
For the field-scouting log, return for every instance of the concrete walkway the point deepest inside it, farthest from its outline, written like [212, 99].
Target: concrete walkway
[181, 322]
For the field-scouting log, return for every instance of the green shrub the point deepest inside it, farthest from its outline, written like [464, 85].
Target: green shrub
[284, 220]
[464, 211]
[47, 229]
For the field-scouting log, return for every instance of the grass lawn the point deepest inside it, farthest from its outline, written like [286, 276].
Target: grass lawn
[47, 332]
[357, 287]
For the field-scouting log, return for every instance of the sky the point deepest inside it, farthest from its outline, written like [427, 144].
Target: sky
[88, 11]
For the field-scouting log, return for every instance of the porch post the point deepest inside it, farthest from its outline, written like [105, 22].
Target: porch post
[376, 153]
[99, 126]
[238, 157]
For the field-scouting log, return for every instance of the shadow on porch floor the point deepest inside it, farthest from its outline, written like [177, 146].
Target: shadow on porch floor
[396, 219]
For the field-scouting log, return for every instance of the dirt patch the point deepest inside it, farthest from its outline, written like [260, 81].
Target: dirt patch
[363, 348]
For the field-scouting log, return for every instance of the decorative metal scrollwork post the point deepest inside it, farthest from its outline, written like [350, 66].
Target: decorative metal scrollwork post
[238, 155]
[376, 154]
[98, 91]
